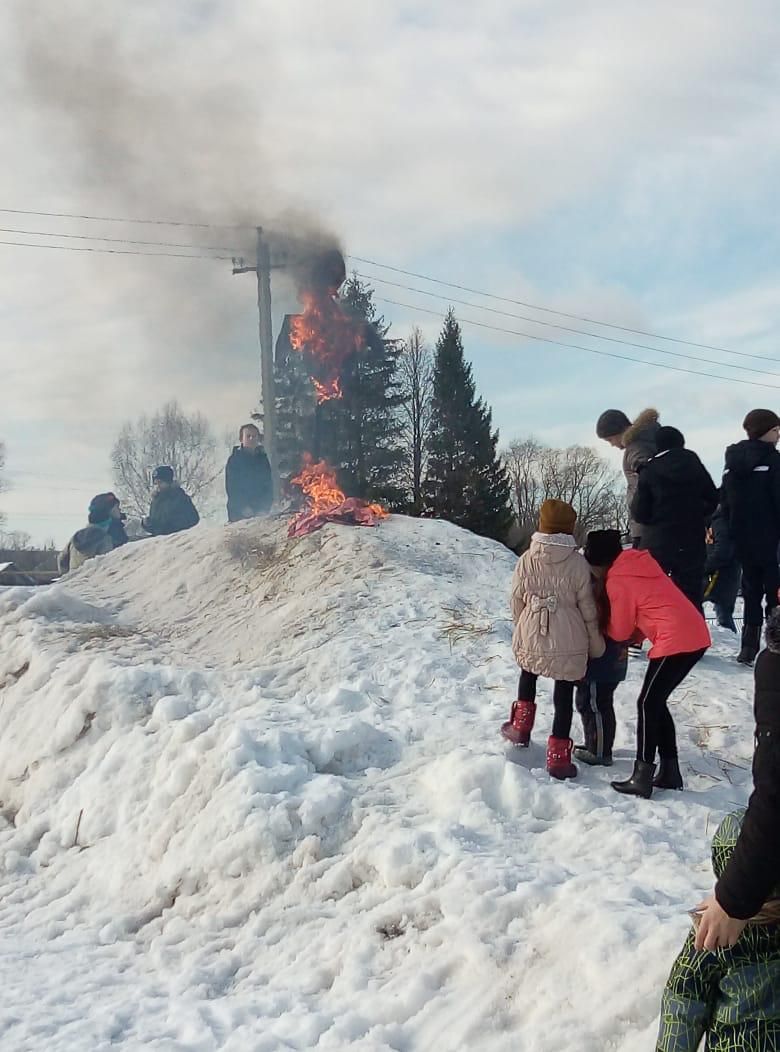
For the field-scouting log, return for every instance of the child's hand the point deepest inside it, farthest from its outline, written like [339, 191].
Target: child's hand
[716, 930]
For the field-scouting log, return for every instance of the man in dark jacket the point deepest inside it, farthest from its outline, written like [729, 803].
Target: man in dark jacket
[754, 868]
[751, 502]
[171, 509]
[638, 442]
[248, 481]
[673, 502]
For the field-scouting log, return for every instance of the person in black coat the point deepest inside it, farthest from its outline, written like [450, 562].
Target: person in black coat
[171, 509]
[116, 525]
[751, 502]
[674, 499]
[248, 481]
[754, 867]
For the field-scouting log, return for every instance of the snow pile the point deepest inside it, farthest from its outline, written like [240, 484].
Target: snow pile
[253, 797]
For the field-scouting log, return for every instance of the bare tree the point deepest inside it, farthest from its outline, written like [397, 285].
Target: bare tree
[576, 474]
[415, 371]
[186, 443]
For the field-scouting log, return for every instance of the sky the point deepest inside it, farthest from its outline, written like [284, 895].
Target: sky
[616, 161]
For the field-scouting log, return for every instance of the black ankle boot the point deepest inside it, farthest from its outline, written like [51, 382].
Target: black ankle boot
[669, 776]
[751, 643]
[641, 781]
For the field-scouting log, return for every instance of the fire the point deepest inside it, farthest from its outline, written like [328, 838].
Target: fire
[328, 336]
[327, 502]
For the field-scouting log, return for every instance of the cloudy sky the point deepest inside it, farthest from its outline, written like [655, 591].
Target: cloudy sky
[615, 160]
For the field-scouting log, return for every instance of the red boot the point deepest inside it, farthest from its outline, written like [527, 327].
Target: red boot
[518, 727]
[559, 763]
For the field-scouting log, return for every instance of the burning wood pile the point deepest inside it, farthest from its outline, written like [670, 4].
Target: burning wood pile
[327, 336]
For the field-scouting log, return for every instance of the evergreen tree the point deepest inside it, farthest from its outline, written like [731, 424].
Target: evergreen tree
[358, 433]
[465, 482]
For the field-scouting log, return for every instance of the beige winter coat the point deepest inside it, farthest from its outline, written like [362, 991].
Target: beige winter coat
[556, 622]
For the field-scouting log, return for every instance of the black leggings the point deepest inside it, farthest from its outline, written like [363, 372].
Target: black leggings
[563, 701]
[655, 726]
[596, 706]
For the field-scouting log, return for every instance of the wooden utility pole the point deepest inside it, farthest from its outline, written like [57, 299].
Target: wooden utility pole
[265, 332]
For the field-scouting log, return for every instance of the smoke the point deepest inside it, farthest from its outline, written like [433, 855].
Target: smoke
[161, 111]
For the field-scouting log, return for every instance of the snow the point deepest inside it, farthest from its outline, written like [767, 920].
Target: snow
[253, 797]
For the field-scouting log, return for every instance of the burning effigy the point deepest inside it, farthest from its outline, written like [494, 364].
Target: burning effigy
[327, 502]
[328, 336]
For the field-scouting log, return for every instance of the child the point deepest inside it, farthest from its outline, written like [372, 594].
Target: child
[556, 629]
[731, 994]
[595, 694]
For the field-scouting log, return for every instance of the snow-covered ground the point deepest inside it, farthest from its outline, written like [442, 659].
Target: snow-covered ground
[254, 798]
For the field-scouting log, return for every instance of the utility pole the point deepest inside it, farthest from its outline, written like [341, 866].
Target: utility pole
[265, 332]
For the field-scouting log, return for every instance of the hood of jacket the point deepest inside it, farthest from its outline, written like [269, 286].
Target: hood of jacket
[744, 457]
[644, 427]
[556, 547]
[632, 562]
[90, 540]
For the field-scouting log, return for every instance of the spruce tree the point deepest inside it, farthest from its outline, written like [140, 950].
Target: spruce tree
[465, 482]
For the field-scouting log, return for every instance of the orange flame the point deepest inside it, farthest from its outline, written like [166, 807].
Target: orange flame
[327, 502]
[328, 335]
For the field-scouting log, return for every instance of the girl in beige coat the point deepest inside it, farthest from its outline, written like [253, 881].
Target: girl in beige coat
[556, 630]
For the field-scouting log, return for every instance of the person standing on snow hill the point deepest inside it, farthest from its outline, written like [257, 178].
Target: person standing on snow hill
[248, 482]
[638, 442]
[754, 868]
[750, 497]
[556, 629]
[595, 694]
[732, 995]
[673, 502]
[94, 539]
[644, 602]
[171, 509]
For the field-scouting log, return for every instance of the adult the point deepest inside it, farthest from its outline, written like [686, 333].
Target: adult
[754, 868]
[116, 525]
[93, 540]
[248, 481]
[638, 442]
[645, 603]
[674, 499]
[171, 509]
[722, 571]
[751, 503]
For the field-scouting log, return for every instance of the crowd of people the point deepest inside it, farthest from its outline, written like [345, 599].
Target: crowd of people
[248, 487]
[576, 611]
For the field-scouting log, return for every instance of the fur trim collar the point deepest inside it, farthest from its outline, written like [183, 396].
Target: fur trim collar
[562, 540]
[647, 418]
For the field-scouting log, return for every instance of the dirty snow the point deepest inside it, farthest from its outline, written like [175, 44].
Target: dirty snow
[254, 798]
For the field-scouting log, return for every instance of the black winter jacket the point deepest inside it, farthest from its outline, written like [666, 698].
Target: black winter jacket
[721, 553]
[674, 500]
[171, 510]
[117, 532]
[247, 483]
[754, 868]
[751, 500]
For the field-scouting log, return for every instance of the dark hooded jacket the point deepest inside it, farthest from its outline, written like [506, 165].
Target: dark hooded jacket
[732, 995]
[84, 544]
[751, 500]
[639, 444]
[171, 510]
[247, 483]
[674, 500]
[754, 868]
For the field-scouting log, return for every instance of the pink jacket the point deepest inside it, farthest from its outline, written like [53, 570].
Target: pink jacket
[642, 597]
[556, 622]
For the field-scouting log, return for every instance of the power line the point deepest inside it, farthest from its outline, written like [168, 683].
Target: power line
[117, 219]
[116, 240]
[579, 347]
[560, 313]
[568, 328]
[111, 251]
